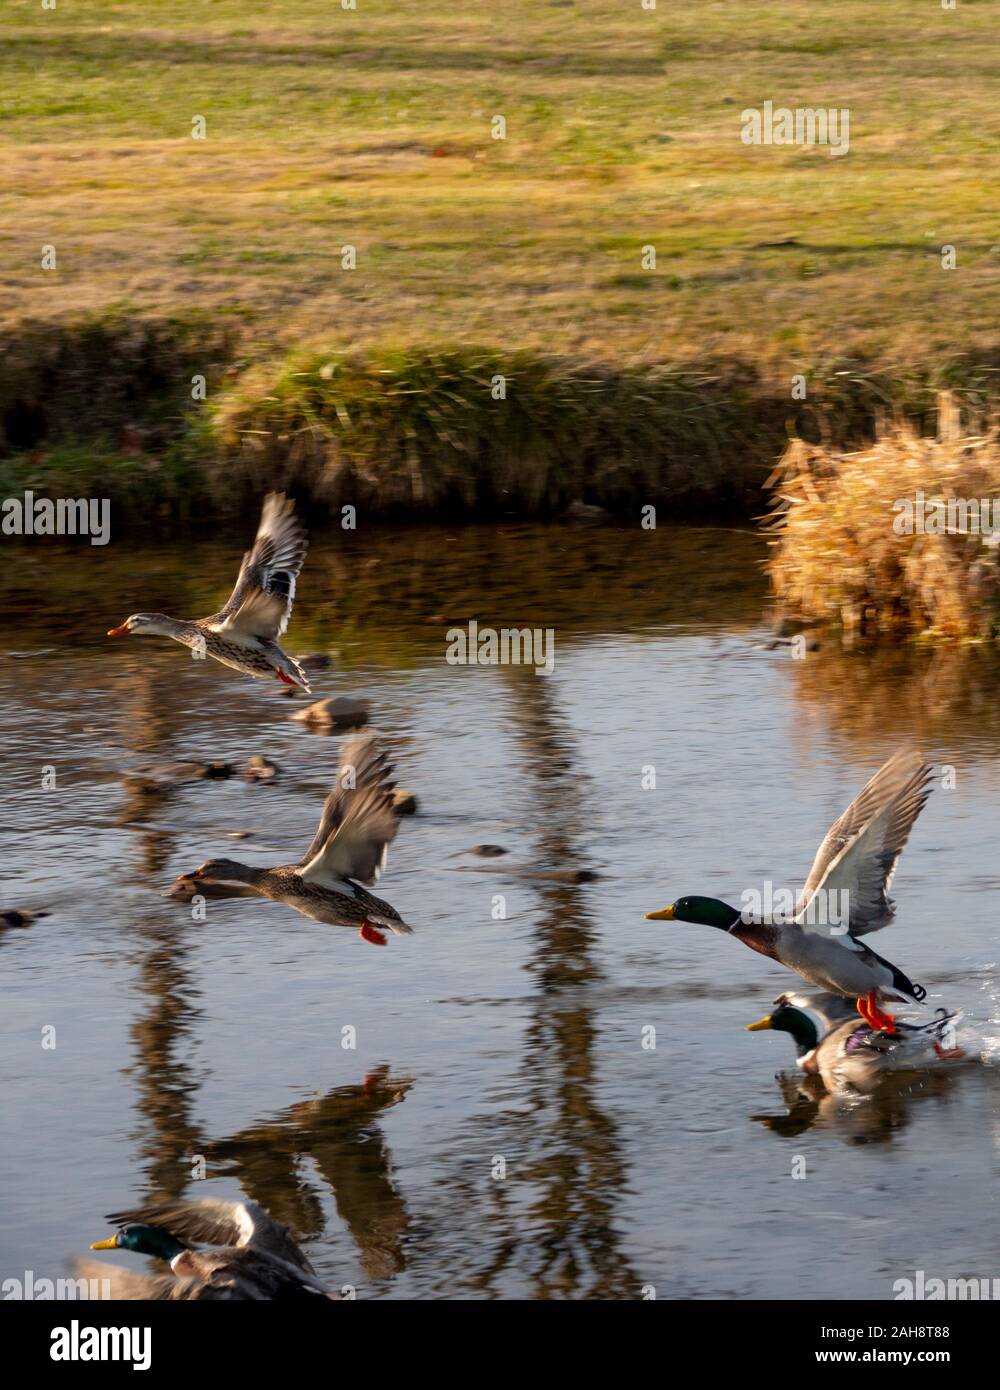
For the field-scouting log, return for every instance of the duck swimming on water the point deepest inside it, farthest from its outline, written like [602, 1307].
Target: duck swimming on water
[850, 1056]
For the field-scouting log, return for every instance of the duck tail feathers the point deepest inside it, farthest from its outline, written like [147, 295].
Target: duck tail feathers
[394, 924]
[295, 673]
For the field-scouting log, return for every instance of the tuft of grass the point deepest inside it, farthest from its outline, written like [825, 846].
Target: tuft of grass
[840, 550]
[484, 432]
[81, 470]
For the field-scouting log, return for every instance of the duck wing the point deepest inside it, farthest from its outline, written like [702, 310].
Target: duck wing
[261, 603]
[861, 849]
[359, 820]
[363, 764]
[214, 1221]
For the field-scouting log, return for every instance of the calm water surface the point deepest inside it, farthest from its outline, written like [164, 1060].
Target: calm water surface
[483, 1042]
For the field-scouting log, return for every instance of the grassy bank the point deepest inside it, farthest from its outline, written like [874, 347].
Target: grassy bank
[107, 406]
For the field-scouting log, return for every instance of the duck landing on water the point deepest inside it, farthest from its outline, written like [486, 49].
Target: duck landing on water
[854, 865]
[850, 1056]
[258, 1260]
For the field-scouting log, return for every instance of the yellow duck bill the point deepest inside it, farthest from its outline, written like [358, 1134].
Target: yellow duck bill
[760, 1025]
[665, 914]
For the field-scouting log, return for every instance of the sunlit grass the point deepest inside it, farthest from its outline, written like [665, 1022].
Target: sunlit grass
[372, 127]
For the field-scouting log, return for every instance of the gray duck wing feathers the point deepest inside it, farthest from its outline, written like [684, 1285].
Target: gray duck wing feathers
[359, 820]
[859, 854]
[855, 865]
[214, 1221]
[363, 765]
[830, 1008]
[261, 603]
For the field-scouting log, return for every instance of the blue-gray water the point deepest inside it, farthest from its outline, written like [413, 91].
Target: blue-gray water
[484, 1044]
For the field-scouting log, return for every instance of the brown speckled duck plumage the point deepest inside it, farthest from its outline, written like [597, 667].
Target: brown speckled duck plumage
[244, 633]
[347, 852]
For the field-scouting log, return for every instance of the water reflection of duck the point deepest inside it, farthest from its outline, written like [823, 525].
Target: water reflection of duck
[877, 1120]
[854, 865]
[338, 1137]
[849, 1056]
[244, 633]
[259, 1261]
[349, 849]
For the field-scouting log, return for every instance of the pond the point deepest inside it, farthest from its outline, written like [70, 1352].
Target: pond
[478, 1110]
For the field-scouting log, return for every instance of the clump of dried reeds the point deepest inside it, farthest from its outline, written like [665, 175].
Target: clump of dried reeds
[841, 548]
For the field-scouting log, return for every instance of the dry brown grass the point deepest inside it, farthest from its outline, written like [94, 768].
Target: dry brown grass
[837, 554]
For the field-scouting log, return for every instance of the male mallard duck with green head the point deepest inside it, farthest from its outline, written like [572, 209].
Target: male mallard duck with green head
[852, 1056]
[349, 849]
[260, 1260]
[854, 865]
[244, 633]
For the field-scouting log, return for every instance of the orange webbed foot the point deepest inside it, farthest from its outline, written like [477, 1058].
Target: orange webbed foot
[368, 933]
[869, 1010]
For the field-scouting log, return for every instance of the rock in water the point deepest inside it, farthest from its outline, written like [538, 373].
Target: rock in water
[584, 513]
[260, 769]
[19, 917]
[315, 661]
[340, 712]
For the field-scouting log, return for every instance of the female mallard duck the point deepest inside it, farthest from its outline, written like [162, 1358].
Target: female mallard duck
[849, 1056]
[854, 866]
[349, 849]
[260, 1260]
[244, 632]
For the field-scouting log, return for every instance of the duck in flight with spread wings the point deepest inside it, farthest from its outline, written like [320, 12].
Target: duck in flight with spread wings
[244, 633]
[854, 864]
[349, 850]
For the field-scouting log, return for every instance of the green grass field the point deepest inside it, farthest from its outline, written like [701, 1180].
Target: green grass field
[328, 127]
[372, 127]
